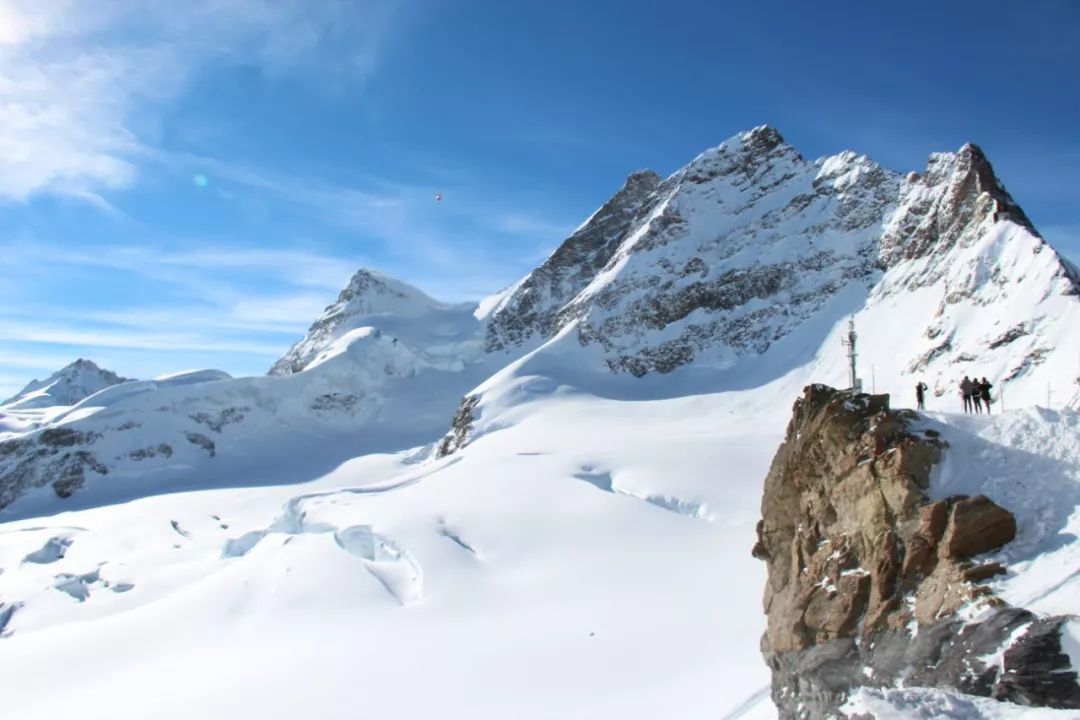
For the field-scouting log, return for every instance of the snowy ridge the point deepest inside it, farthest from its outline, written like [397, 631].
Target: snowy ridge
[67, 386]
[372, 300]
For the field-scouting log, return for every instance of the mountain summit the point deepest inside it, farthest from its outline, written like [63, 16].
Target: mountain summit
[368, 294]
[67, 386]
[751, 251]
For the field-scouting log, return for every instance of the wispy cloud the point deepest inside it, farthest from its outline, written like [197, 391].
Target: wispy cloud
[56, 334]
[479, 238]
[82, 82]
[241, 307]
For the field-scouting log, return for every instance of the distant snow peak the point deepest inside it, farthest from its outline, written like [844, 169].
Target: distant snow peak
[67, 386]
[368, 295]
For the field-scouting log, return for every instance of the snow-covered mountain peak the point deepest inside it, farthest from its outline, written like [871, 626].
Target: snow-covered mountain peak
[370, 292]
[67, 386]
[759, 156]
[750, 251]
[955, 202]
[374, 300]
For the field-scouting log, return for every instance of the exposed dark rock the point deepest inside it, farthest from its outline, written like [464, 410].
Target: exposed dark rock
[531, 310]
[866, 574]
[1014, 333]
[48, 457]
[1037, 672]
[228, 416]
[202, 441]
[460, 427]
[7, 611]
[335, 401]
[162, 449]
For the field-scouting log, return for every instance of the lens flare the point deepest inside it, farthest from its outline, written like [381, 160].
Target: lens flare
[200, 180]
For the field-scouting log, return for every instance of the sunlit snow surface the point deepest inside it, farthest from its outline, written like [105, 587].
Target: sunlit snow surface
[587, 556]
[502, 580]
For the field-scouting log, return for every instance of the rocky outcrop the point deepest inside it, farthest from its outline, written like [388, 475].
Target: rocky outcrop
[56, 456]
[460, 427]
[866, 574]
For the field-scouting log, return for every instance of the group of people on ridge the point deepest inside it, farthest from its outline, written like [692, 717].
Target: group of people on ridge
[976, 394]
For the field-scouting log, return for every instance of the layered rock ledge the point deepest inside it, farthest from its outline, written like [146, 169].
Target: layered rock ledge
[873, 583]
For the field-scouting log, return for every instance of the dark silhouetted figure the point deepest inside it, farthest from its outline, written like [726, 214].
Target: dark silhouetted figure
[920, 395]
[984, 391]
[976, 396]
[967, 388]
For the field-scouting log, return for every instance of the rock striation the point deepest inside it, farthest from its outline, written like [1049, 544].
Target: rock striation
[873, 583]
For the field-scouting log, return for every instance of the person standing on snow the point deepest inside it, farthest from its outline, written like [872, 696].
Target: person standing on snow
[920, 395]
[984, 391]
[967, 387]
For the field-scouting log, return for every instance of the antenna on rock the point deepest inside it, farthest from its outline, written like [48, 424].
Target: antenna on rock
[849, 343]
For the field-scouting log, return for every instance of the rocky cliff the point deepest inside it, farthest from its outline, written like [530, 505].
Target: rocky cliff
[871, 582]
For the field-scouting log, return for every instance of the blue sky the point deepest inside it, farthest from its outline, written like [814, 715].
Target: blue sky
[187, 184]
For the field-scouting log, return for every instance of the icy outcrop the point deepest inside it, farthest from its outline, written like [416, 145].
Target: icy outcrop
[870, 583]
[73, 383]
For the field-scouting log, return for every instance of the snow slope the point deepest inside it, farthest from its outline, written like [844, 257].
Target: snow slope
[575, 564]
[588, 557]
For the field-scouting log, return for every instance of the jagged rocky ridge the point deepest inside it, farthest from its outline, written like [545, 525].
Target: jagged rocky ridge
[750, 241]
[871, 583]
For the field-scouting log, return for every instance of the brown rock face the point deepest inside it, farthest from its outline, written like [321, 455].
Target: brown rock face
[846, 525]
[859, 557]
[977, 525]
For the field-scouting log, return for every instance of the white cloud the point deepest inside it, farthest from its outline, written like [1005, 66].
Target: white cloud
[133, 338]
[82, 82]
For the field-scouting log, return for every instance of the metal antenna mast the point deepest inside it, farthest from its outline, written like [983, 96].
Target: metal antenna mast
[849, 343]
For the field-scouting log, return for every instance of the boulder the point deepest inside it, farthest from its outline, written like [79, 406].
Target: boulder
[977, 525]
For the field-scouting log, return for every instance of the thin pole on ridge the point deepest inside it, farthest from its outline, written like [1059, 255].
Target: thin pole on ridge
[849, 343]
